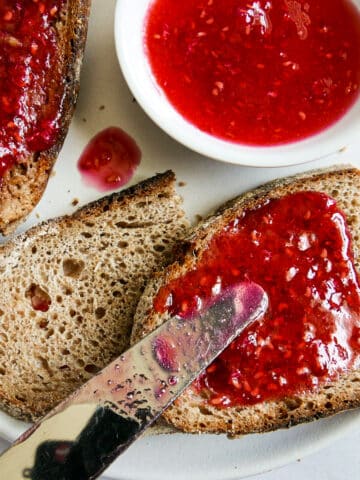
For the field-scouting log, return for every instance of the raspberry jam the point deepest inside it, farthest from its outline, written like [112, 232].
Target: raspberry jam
[256, 72]
[29, 117]
[110, 159]
[40, 300]
[298, 249]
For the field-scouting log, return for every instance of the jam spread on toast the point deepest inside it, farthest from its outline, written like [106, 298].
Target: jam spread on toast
[256, 72]
[110, 159]
[297, 248]
[30, 105]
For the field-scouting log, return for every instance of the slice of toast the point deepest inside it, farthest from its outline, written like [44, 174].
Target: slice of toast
[191, 413]
[70, 287]
[24, 183]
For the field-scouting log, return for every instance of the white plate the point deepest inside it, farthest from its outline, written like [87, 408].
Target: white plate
[208, 183]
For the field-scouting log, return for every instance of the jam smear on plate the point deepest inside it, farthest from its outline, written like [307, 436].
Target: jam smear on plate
[110, 159]
[264, 72]
[298, 249]
[29, 112]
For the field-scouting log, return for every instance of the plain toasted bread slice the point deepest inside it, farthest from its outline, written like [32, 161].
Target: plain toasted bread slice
[89, 269]
[190, 412]
[23, 185]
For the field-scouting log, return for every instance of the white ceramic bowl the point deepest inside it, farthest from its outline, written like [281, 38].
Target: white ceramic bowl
[129, 36]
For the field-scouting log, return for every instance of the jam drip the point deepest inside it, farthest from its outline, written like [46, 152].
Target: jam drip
[29, 115]
[256, 72]
[298, 249]
[110, 159]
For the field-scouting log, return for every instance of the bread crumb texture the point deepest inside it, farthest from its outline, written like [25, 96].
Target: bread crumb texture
[70, 288]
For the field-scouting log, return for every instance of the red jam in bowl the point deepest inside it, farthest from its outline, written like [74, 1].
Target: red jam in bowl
[298, 249]
[264, 72]
[29, 117]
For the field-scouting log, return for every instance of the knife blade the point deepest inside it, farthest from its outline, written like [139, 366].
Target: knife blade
[81, 437]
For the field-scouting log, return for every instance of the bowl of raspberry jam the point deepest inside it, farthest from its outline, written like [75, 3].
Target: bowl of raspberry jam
[260, 83]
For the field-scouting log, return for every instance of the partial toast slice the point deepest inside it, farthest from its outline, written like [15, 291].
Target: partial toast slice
[23, 185]
[191, 413]
[70, 287]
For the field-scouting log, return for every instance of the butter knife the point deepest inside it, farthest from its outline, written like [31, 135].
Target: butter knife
[82, 436]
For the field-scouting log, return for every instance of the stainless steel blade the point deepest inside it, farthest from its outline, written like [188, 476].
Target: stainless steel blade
[81, 437]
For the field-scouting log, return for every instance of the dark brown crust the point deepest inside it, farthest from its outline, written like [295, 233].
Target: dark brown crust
[24, 184]
[190, 413]
[150, 186]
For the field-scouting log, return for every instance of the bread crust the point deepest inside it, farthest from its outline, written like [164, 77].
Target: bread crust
[23, 185]
[191, 413]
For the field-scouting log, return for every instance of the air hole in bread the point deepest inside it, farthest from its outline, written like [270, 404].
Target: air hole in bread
[134, 224]
[44, 364]
[59, 299]
[204, 411]
[91, 368]
[21, 399]
[61, 329]
[43, 323]
[328, 405]
[72, 312]
[2, 371]
[116, 293]
[50, 333]
[100, 312]
[34, 250]
[310, 405]
[293, 403]
[159, 248]
[73, 267]
[86, 234]
[65, 351]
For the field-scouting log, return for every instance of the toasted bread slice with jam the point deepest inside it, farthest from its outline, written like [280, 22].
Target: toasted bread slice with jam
[25, 181]
[192, 412]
